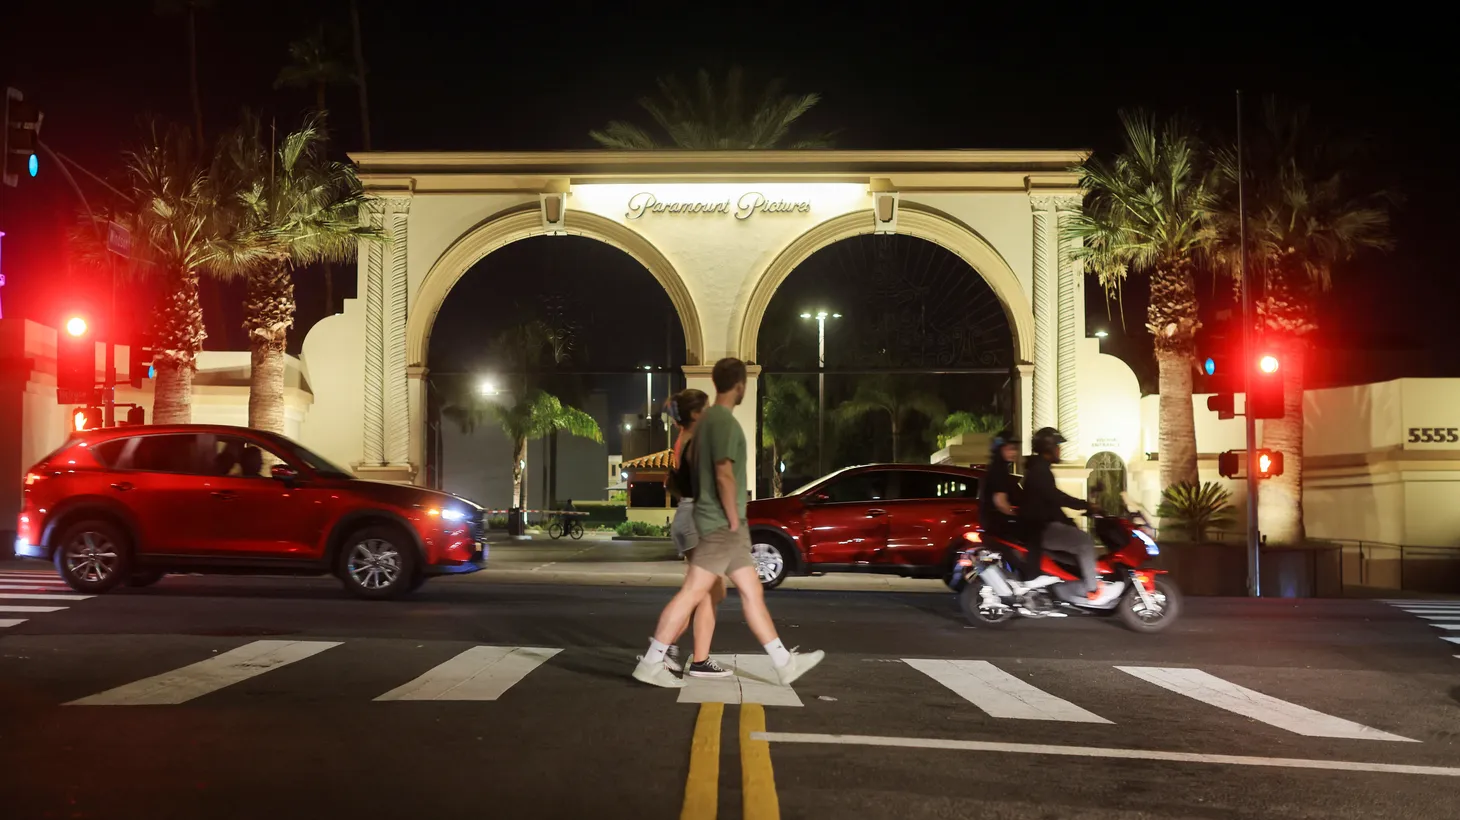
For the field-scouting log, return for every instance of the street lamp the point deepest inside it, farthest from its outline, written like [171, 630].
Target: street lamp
[821, 316]
[1100, 334]
[487, 387]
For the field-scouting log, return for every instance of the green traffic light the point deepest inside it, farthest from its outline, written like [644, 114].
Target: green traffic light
[33, 165]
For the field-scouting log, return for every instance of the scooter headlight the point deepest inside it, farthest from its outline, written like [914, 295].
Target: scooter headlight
[1151, 548]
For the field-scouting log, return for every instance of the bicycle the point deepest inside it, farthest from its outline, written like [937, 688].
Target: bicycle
[563, 525]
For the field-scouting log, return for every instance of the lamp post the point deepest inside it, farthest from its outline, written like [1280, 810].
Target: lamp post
[821, 316]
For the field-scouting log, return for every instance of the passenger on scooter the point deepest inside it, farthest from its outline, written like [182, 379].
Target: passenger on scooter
[1042, 512]
[998, 489]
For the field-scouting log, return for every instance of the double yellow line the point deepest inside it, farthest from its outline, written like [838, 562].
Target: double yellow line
[757, 779]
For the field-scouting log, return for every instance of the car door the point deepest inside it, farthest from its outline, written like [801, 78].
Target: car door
[927, 512]
[259, 516]
[156, 476]
[846, 519]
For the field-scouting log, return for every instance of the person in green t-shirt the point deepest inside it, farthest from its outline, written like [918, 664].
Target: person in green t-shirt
[724, 540]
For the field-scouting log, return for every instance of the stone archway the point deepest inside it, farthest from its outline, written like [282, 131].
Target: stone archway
[1108, 479]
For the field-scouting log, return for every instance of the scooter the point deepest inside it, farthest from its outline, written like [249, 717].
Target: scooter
[991, 593]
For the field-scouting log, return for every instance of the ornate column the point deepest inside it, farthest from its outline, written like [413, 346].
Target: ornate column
[374, 408]
[416, 396]
[1071, 325]
[1045, 315]
[398, 417]
[1023, 403]
[697, 376]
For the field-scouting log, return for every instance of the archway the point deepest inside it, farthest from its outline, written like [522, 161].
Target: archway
[1108, 479]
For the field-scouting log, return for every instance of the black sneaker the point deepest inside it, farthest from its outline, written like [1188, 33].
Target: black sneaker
[708, 669]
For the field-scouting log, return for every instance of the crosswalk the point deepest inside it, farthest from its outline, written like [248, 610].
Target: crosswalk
[1442, 615]
[485, 674]
[26, 594]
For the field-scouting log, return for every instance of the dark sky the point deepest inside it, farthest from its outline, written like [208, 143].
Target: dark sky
[450, 75]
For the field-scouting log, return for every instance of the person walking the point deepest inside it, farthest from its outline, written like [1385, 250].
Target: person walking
[723, 548]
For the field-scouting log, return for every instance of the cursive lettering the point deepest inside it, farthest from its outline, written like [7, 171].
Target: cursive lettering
[746, 206]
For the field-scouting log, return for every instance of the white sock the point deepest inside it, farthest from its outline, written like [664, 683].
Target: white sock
[656, 652]
[780, 656]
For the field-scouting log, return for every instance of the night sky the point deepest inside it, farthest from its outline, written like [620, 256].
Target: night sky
[455, 76]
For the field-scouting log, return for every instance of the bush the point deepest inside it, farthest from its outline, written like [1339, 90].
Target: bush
[497, 522]
[601, 513]
[641, 529]
[1195, 509]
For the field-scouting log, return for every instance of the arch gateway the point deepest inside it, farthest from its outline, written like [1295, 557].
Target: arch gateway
[719, 231]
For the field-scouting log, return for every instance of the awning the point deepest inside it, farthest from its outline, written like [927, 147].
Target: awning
[662, 460]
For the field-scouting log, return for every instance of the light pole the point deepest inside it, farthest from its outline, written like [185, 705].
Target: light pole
[821, 316]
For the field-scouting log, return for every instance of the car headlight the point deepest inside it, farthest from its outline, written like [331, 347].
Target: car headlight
[453, 515]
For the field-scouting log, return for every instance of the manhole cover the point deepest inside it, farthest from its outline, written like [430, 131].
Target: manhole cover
[241, 632]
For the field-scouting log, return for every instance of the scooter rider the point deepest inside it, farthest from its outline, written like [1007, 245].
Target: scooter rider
[1041, 512]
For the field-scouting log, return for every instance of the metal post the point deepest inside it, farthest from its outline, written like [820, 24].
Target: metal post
[1254, 580]
[820, 395]
[109, 390]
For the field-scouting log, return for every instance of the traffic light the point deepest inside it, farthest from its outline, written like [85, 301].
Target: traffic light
[86, 418]
[1223, 385]
[1269, 463]
[75, 359]
[136, 417]
[21, 140]
[139, 361]
[1266, 398]
[1229, 464]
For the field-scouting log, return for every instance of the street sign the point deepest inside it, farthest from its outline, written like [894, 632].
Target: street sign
[118, 240]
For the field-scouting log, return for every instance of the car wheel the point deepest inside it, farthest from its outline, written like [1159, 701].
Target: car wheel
[145, 579]
[93, 556]
[770, 561]
[377, 563]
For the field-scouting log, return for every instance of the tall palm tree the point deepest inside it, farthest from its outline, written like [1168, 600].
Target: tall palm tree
[716, 117]
[1308, 212]
[788, 422]
[897, 396]
[358, 51]
[294, 207]
[1147, 211]
[528, 417]
[190, 9]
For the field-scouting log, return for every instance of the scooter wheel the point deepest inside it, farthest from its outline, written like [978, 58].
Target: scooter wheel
[970, 600]
[1134, 615]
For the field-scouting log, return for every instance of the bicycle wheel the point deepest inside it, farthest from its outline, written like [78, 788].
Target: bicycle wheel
[576, 530]
[555, 530]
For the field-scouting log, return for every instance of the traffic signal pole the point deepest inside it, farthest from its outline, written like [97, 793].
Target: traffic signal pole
[1254, 581]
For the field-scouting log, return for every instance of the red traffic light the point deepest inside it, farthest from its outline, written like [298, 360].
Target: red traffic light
[1268, 363]
[76, 326]
[86, 418]
[1269, 463]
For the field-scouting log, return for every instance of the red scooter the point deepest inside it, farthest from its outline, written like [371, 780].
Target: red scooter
[991, 593]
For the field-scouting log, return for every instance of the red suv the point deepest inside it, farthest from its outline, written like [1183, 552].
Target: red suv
[128, 504]
[901, 519]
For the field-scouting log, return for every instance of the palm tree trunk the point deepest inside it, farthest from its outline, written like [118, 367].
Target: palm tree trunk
[1177, 421]
[894, 438]
[1280, 500]
[193, 74]
[360, 74]
[268, 315]
[172, 392]
[775, 471]
[519, 471]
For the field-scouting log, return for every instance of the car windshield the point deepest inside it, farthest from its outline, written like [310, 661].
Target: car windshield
[318, 463]
[827, 477]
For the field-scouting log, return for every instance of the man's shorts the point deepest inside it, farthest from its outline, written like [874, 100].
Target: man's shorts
[722, 552]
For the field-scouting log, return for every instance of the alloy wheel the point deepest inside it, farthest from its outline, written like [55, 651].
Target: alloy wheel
[91, 557]
[769, 563]
[374, 564]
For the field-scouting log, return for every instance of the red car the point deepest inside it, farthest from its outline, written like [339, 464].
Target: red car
[901, 519]
[129, 504]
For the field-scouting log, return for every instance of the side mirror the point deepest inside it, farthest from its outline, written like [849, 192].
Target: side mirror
[283, 472]
[817, 498]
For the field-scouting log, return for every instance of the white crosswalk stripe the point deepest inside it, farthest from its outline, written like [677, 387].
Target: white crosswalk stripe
[196, 680]
[999, 693]
[6, 623]
[31, 609]
[754, 681]
[41, 596]
[479, 673]
[1446, 611]
[1212, 690]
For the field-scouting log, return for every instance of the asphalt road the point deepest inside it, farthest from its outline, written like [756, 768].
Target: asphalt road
[207, 697]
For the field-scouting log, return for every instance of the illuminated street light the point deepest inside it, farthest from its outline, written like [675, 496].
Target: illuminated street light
[487, 387]
[1101, 334]
[821, 316]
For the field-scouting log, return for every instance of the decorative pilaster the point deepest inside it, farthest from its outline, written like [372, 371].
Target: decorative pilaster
[396, 396]
[1071, 306]
[374, 408]
[1045, 317]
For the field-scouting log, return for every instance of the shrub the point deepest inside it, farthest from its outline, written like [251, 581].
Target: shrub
[1195, 509]
[497, 522]
[641, 529]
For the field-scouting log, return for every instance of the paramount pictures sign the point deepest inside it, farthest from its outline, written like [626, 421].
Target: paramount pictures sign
[747, 205]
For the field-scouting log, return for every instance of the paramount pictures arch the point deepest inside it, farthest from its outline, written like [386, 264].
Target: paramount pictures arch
[720, 231]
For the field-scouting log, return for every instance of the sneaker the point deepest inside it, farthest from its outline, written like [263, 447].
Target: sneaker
[708, 669]
[657, 674]
[800, 664]
[671, 660]
[1106, 593]
[1043, 581]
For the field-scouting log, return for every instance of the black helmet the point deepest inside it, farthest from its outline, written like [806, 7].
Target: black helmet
[1046, 440]
[1004, 437]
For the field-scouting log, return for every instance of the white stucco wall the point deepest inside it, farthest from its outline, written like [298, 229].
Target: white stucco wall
[333, 357]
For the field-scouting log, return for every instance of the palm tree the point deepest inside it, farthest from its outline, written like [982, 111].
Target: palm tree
[708, 117]
[897, 396]
[531, 416]
[294, 207]
[1147, 211]
[956, 424]
[787, 424]
[191, 9]
[1308, 213]
[358, 51]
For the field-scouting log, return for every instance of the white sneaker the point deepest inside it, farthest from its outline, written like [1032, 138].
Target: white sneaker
[1108, 592]
[800, 664]
[657, 674]
[1043, 581]
[671, 660]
